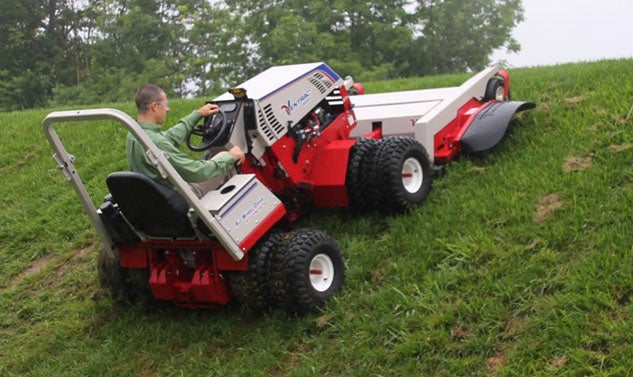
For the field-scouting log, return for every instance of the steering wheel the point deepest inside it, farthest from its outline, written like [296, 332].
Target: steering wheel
[211, 131]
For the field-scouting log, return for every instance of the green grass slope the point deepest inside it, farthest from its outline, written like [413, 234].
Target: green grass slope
[519, 263]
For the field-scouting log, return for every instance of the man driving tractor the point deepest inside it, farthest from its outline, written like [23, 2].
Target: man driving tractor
[202, 175]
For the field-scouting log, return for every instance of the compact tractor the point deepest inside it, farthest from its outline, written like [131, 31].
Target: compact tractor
[312, 138]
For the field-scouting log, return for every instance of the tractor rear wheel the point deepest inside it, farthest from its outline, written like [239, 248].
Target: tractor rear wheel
[128, 286]
[358, 170]
[402, 175]
[139, 282]
[112, 276]
[312, 269]
[254, 288]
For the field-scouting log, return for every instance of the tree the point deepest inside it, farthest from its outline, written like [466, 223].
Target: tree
[380, 39]
[219, 54]
[85, 52]
[455, 35]
[136, 42]
[378, 34]
[42, 48]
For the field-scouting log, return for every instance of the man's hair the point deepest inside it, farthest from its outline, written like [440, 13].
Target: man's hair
[145, 95]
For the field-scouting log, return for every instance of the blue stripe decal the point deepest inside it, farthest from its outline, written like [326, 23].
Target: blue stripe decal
[327, 71]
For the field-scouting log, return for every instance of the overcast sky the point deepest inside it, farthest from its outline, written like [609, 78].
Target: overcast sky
[563, 31]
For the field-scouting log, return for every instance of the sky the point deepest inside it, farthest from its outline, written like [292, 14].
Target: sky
[565, 31]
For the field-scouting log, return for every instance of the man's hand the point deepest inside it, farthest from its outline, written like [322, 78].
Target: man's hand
[238, 154]
[208, 109]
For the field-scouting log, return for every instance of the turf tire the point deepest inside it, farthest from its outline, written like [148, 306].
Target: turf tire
[312, 270]
[113, 277]
[128, 286]
[358, 173]
[402, 175]
[254, 288]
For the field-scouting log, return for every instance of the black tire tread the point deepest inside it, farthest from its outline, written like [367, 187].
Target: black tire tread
[358, 173]
[386, 184]
[491, 88]
[298, 249]
[113, 277]
[253, 288]
[127, 286]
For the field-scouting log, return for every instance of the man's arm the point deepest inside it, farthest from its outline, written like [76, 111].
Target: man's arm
[200, 170]
[178, 133]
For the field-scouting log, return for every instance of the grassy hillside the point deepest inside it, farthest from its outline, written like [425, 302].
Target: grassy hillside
[519, 263]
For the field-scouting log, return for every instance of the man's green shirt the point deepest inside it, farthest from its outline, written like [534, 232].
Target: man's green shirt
[169, 141]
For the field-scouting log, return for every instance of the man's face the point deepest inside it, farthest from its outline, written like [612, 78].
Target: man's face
[160, 109]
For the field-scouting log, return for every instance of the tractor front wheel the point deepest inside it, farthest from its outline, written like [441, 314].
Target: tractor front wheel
[313, 269]
[358, 170]
[402, 175]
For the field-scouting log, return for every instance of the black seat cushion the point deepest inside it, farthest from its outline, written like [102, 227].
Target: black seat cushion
[153, 208]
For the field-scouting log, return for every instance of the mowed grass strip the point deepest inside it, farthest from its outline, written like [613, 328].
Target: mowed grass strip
[519, 262]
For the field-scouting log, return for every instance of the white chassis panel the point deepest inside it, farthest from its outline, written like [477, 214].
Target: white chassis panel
[417, 113]
[283, 95]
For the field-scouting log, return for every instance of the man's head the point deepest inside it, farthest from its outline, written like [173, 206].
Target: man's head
[151, 103]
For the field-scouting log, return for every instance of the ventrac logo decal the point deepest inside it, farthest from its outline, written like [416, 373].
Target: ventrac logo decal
[302, 100]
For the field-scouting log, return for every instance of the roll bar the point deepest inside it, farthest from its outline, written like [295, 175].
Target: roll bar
[65, 163]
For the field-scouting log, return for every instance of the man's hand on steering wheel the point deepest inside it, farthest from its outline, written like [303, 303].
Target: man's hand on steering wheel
[208, 109]
[212, 131]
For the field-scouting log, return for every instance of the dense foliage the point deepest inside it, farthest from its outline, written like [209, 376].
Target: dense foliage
[83, 52]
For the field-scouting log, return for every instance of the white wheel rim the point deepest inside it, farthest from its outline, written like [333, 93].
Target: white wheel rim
[321, 272]
[412, 175]
[500, 93]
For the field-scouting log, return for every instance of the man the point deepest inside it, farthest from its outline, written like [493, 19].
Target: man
[202, 175]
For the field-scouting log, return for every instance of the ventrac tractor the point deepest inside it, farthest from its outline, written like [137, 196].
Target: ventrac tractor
[312, 138]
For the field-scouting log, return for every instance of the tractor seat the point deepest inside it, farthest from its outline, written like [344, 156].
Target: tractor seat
[150, 207]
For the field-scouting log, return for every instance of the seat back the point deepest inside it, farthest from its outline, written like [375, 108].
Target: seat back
[150, 207]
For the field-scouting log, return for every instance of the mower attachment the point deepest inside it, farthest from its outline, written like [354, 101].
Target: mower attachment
[490, 125]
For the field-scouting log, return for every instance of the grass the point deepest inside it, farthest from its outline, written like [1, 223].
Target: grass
[519, 263]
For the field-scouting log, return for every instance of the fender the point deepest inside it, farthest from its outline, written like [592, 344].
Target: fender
[490, 125]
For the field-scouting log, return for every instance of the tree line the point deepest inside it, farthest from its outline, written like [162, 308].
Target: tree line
[58, 52]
